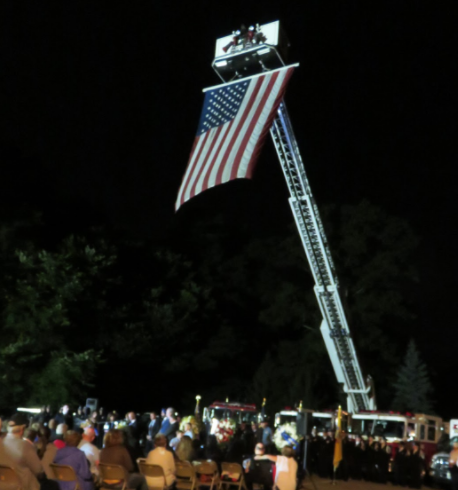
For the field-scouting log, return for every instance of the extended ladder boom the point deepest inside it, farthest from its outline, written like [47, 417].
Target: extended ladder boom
[334, 327]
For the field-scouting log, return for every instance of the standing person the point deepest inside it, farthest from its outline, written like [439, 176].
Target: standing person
[164, 421]
[257, 431]
[286, 468]
[102, 415]
[164, 458]
[172, 427]
[400, 465]
[383, 461]
[133, 430]
[325, 463]
[153, 429]
[313, 451]
[364, 460]
[70, 455]
[347, 457]
[266, 435]
[356, 463]
[416, 466]
[453, 464]
[371, 474]
[65, 417]
[375, 459]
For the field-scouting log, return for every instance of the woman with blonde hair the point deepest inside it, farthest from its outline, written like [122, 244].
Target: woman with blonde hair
[184, 450]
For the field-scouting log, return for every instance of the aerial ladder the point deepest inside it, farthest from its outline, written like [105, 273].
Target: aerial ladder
[235, 60]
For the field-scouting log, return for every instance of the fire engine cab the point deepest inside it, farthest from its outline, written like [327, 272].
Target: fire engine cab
[239, 412]
[396, 427]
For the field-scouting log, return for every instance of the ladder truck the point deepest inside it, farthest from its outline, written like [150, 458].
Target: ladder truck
[254, 51]
[245, 59]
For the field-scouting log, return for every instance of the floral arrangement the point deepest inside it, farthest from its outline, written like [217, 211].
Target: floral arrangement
[224, 430]
[195, 424]
[290, 430]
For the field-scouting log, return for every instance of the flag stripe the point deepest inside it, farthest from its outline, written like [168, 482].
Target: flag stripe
[247, 153]
[267, 125]
[232, 129]
[215, 136]
[253, 122]
[222, 168]
[205, 184]
[191, 165]
[208, 160]
[198, 165]
[233, 126]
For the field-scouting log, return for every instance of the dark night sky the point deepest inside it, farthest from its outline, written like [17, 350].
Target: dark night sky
[100, 102]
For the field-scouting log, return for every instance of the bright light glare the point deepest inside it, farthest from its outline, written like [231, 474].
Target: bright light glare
[30, 410]
[221, 63]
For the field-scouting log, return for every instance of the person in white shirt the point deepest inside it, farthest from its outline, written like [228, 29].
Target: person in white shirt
[22, 453]
[164, 458]
[91, 451]
[286, 468]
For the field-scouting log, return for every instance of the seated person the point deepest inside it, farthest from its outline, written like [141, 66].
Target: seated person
[70, 455]
[164, 458]
[115, 452]
[286, 468]
[19, 453]
[176, 440]
[258, 471]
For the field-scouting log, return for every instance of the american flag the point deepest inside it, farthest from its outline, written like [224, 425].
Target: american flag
[234, 123]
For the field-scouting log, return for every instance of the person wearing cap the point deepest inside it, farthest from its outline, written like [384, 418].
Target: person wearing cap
[22, 453]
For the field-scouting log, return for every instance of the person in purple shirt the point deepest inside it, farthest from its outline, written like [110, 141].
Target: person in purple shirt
[72, 456]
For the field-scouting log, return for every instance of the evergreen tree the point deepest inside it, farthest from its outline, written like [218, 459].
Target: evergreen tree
[413, 387]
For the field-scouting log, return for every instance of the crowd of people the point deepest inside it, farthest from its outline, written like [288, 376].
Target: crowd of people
[84, 441]
[86, 438]
[367, 458]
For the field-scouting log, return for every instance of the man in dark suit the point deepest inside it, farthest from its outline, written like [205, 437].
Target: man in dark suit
[153, 430]
[172, 427]
[133, 430]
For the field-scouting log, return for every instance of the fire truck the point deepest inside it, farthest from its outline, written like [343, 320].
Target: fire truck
[439, 469]
[240, 412]
[235, 59]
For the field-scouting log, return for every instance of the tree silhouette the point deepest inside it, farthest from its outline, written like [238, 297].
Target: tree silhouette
[413, 387]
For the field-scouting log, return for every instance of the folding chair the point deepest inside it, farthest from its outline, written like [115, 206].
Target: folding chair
[113, 476]
[207, 469]
[186, 475]
[66, 473]
[234, 476]
[152, 471]
[9, 479]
